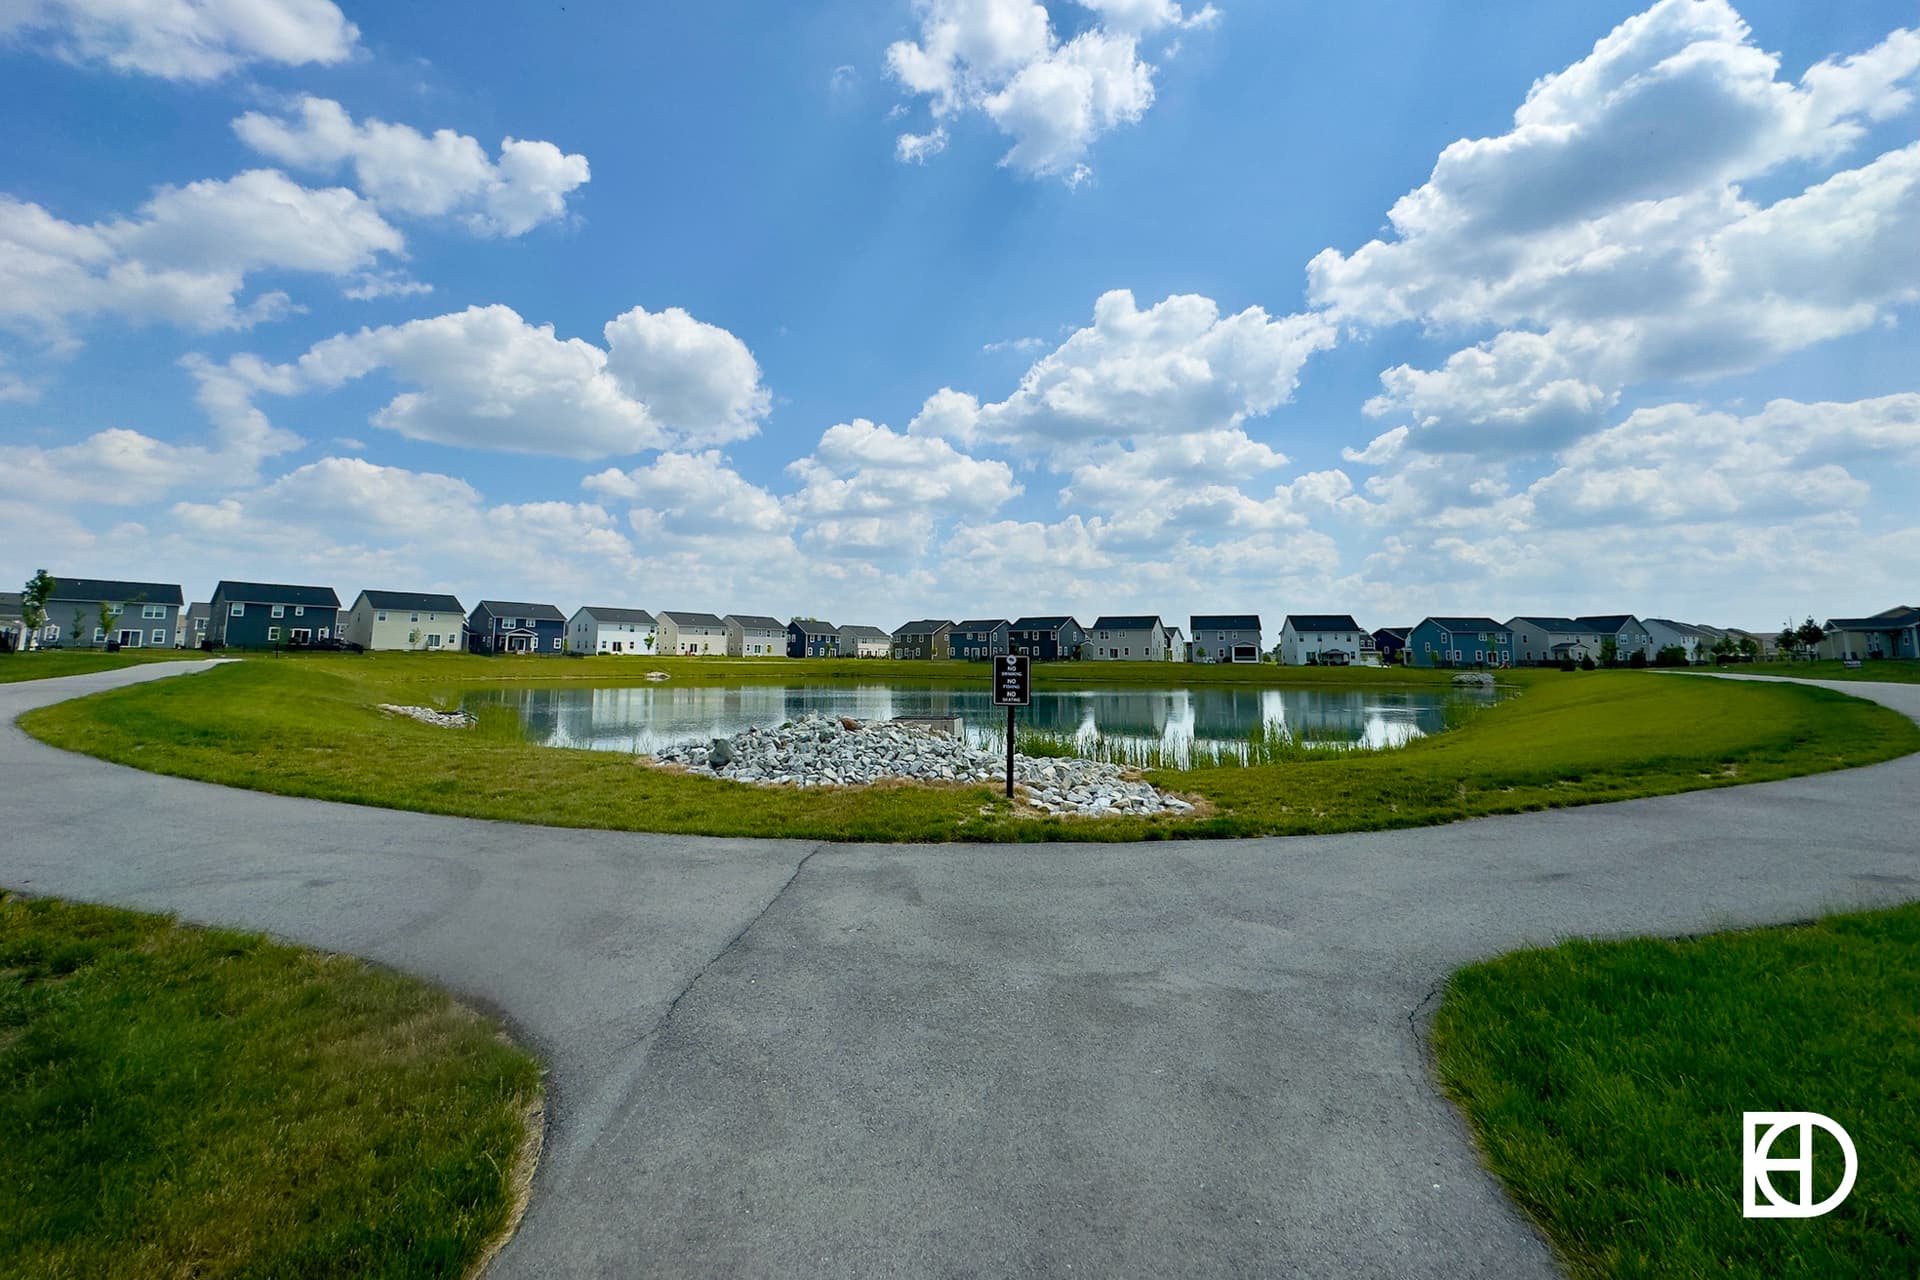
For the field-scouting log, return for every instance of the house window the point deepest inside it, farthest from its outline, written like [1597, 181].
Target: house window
[556, 642]
[414, 618]
[159, 635]
[326, 631]
[382, 616]
[237, 610]
[154, 611]
[279, 611]
[299, 611]
[433, 641]
[51, 631]
[98, 635]
[273, 633]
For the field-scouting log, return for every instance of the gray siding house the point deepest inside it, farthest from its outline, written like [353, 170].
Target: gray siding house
[193, 627]
[691, 633]
[1892, 633]
[752, 635]
[149, 613]
[1127, 638]
[1629, 637]
[13, 630]
[977, 639]
[1542, 641]
[924, 640]
[857, 640]
[1051, 638]
[1225, 637]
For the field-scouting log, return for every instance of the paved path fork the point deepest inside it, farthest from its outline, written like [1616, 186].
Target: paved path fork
[787, 1059]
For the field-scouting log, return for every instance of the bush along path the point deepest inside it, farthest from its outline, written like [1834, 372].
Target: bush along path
[837, 751]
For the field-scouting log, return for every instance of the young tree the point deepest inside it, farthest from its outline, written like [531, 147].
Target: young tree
[1811, 634]
[1789, 638]
[79, 625]
[1723, 648]
[33, 604]
[1609, 651]
[1750, 646]
[109, 619]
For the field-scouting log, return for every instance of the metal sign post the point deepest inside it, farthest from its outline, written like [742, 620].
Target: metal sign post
[1011, 690]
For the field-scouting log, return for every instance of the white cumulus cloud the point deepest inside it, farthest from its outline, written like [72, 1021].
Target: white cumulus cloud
[184, 39]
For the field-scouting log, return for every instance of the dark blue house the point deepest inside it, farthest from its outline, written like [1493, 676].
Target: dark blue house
[271, 615]
[812, 638]
[1048, 639]
[1459, 642]
[1390, 643]
[513, 626]
[978, 639]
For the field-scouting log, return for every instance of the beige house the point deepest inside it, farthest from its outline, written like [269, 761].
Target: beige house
[860, 641]
[692, 633]
[405, 620]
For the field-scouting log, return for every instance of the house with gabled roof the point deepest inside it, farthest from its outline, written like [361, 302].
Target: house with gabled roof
[977, 639]
[516, 626]
[611, 630]
[1629, 635]
[1459, 642]
[1666, 633]
[13, 627]
[812, 638]
[1546, 640]
[191, 631]
[1325, 639]
[923, 640]
[269, 615]
[1177, 644]
[1391, 643]
[1891, 633]
[1226, 637]
[692, 634]
[858, 640]
[417, 620]
[1127, 637]
[1048, 638]
[753, 635]
[148, 613]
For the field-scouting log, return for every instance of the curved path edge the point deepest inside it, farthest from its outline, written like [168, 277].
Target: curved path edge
[773, 1057]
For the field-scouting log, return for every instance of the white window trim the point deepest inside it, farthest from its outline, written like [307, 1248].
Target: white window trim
[237, 610]
[278, 611]
[159, 635]
[273, 633]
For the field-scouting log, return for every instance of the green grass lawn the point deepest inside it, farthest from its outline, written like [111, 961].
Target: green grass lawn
[194, 1102]
[1605, 1083]
[45, 664]
[1885, 670]
[307, 726]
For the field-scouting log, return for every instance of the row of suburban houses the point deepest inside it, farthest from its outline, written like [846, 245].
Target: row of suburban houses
[87, 612]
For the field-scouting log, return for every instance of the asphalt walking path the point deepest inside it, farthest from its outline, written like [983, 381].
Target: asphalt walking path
[788, 1059]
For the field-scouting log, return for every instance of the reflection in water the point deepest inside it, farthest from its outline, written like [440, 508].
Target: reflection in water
[648, 717]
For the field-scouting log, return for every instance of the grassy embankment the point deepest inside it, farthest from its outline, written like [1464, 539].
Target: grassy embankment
[1605, 1082]
[308, 727]
[45, 664]
[181, 1101]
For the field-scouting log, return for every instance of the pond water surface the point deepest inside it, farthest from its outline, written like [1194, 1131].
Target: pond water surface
[641, 719]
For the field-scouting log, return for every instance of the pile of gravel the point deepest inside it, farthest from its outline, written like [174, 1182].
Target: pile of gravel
[831, 751]
[427, 715]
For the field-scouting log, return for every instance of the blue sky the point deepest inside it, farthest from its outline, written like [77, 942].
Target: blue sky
[949, 307]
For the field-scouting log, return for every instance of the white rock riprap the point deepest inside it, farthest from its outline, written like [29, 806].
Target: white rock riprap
[427, 715]
[829, 751]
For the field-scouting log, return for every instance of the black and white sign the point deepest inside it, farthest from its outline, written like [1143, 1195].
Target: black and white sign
[1010, 688]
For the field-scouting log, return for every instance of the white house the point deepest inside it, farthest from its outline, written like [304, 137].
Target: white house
[1128, 638]
[403, 620]
[858, 640]
[1176, 644]
[692, 633]
[599, 629]
[749, 635]
[1326, 639]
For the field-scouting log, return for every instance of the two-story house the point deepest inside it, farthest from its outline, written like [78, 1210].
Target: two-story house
[692, 633]
[1390, 643]
[1629, 636]
[405, 620]
[144, 614]
[516, 626]
[1225, 637]
[1127, 638]
[1665, 633]
[1544, 640]
[270, 615]
[1460, 642]
[605, 629]
[1325, 639]
[857, 640]
[192, 629]
[977, 639]
[753, 635]
[924, 640]
[1049, 638]
[812, 638]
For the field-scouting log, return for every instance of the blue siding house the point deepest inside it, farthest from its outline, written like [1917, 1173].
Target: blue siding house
[812, 638]
[1048, 639]
[1459, 642]
[978, 639]
[513, 626]
[266, 615]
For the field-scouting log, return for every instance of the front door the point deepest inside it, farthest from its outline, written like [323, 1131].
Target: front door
[300, 635]
[128, 639]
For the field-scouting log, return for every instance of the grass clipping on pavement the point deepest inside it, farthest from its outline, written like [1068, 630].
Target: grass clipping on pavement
[1605, 1083]
[180, 1101]
[310, 727]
